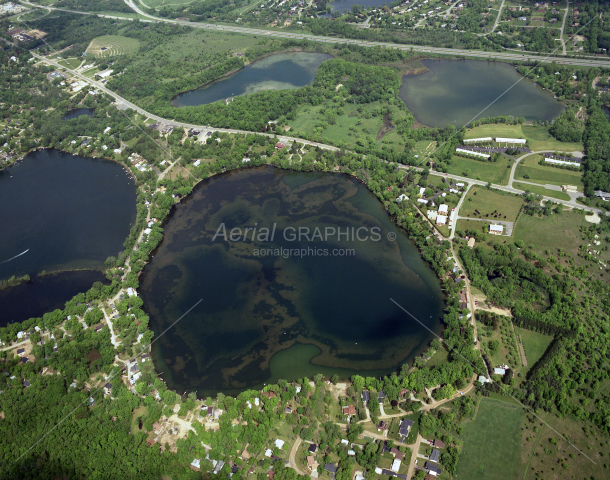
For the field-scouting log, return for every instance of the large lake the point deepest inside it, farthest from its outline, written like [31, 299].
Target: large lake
[63, 212]
[275, 72]
[284, 316]
[457, 91]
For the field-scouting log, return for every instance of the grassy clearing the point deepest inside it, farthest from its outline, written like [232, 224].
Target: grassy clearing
[494, 172]
[541, 191]
[529, 169]
[137, 414]
[112, 46]
[465, 225]
[161, 3]
[492, 443]
[538, 136]
[560, 231]
[71, 63]
[534, 344]
[486, 202]
[439, 358]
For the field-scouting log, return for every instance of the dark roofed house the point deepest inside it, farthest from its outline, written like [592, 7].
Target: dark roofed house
[365, 396]
[26, 383]
[312, 448]
[24, 360]
[329, 467]
[381, 396]
[349, 410]
[438, 443]
[210, 411]
[405, 427]
[20, 351]
[398, 455]
[434, 456]
[134, 369]
[108, 386]
[433, 469]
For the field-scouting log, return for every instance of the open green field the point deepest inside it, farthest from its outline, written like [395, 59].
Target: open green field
[538, 136]
[542, 191]
[112, 46]
[530, 167]
[558, 231]
[492, 443]
[489, 201]
[494, 172]
[465, 225]
[534, 344]
[71, 63]
[161, 3]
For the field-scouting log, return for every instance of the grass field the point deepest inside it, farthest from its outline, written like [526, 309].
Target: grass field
[538, 136]
[542, 191]
[71, 63]
[161, 3]
[546, 174]
[558, 231]
[534, 344]
[492, 447]
[112, 46]
[489, 201]
[494, 172]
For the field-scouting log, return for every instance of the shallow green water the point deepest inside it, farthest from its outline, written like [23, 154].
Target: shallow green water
[456, 92]
[275, 72]
[288, 316]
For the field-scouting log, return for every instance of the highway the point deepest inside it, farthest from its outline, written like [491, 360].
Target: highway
[504, 56]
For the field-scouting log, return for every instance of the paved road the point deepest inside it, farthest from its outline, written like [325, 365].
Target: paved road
[563, 24]
[498, 18]
[506, 56]
[454, 213]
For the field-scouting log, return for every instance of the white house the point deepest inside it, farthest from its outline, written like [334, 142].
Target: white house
[395, 465]
[197, 163]
[441, 219]
[499, 371]
[496, 229]
[195, 463]
[279, 443]
[402, 198]
[443, 208]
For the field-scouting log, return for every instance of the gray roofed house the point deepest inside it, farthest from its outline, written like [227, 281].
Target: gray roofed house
[434, 456]
[381, 396]
[108, 386]
[432, 468]
[134, 369]
[312, 448]
[365, 396]
[24, 360]
[405, 427]
[26, 383]
[20, 351]
[329, 467]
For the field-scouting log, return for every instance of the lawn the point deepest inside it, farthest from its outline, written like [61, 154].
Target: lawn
[538, 136]
[542, 191]
[492, 443]
[494, 172]
[534, 344]
[529, 169]
[112, 45]
[557, 231]
[439, 358]
[71, 63]
[486, 202]
[465, 225]
[160, 3]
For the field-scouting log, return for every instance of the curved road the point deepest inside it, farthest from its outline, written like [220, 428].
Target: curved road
[334, 40]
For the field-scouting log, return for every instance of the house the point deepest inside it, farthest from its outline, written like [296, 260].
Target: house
[382, 425]
[405, 427]
[443, 208]
[397, 453]
[269, 394]
[395, 465]
[26, 383]
[157, 429]
[441, 219]
[150, 441]
[196, 463]
[482, 379]
[329, 467]
[312, 448]
[288, 410]
[210, 411]
[471, 242]
[311, 462]
[135, 368]
[402, 198]
[279, 443]
[24, 360]
[280, 145]
[434, 456]
[496, 229]
[349, 410]
[20, 351]
[438, 443]
[603, 195]
[268, 452]
[432, 468]
[499, 371]
[381, 396]
[365, 396]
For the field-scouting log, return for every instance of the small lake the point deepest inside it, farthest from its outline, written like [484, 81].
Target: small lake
[344, 5]
[44, 294]
[275, 72]
[264, 317]
[455, 92]
[77, 113]
[63, 212]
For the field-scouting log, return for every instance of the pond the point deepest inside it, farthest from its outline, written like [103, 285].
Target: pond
[275, 72]
[63, 212]
[77, 113]
[457, 91]
[266, 313]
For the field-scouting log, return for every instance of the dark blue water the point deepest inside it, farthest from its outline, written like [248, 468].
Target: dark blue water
[276, 72]
[256, 306]
[66, 212]
[77, 113]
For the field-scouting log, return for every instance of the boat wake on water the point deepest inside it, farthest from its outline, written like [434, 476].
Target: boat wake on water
[5, 261]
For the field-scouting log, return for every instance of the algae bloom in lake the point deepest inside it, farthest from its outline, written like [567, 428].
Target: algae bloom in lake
[259, 297]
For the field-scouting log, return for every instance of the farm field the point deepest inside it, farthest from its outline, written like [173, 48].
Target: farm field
[541, 191]
[494, 172]
[529, 167]
[492, 443]
[112, 46]
[538, 136]
[534, 344]
[486, 202]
